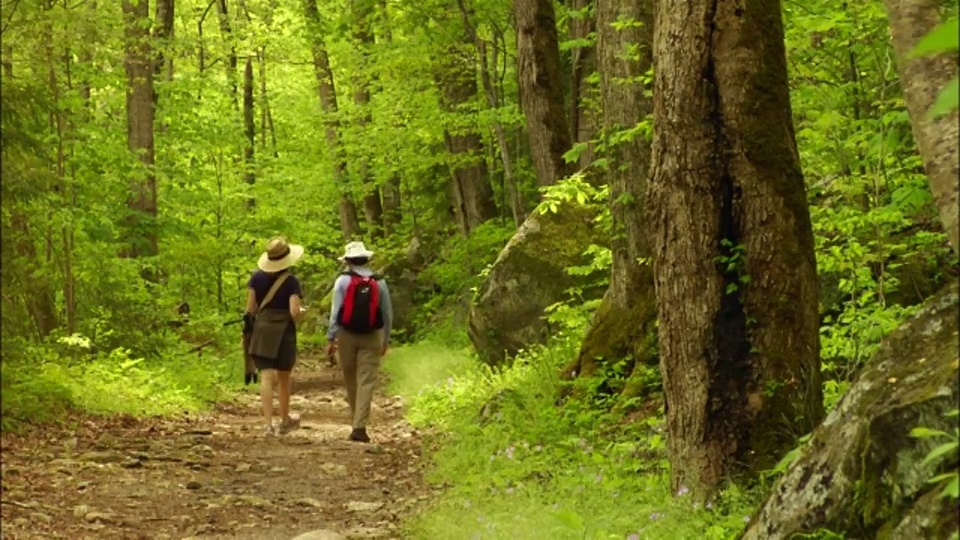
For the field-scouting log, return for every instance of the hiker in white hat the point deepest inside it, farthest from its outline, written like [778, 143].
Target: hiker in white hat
[273, 309]
[360, 320]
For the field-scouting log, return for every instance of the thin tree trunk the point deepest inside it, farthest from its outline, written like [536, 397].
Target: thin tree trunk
[734, 263]
[138, 62]
[493, 101]
[584, 63]
[392, 204]
[163, 32]
[624, 55]
[922, 80]
[232, 62]
[266, 119]
[249, 128]
[372, 206]
[349, 222]
[472, 195]
[541, 89]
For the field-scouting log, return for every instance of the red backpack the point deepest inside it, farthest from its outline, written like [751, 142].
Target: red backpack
[360, 312]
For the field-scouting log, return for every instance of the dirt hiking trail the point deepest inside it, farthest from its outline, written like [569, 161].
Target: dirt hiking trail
[215, 475]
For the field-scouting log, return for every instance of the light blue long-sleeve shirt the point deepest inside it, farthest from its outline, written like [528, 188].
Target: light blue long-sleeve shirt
[340, 291]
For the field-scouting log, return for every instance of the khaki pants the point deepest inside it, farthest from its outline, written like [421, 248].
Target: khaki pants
[360, 360]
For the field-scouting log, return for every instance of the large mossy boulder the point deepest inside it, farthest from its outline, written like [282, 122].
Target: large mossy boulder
[528, 276]
[860, 474]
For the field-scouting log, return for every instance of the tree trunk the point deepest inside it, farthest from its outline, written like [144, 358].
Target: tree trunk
[471, 192]
[392, 205]
[631, 295]
[922, 80]
[249, 128]
[734, 266]
[372, 207]
[227, 32]
[349, 223]
[493, 101]
[583, 116]
[163, 32]
[138, 63]
[266, 118]
[541, 89]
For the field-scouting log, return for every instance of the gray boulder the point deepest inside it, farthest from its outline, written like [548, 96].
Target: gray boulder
[528, 276]
[860, 474]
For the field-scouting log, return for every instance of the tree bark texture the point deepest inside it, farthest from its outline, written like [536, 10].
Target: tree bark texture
[541, 89]
[630, 297]
[138, 63]
[735, 270]
[583, 115]
[922, 80]
[349, 223]
[470, 189]
[372, 206]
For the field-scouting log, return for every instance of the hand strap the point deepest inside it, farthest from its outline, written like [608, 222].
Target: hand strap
[273, 291]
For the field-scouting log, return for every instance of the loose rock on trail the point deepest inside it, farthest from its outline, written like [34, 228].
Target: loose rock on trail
[215, 475]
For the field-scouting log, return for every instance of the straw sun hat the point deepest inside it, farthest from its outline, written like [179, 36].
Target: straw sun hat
[279, 255]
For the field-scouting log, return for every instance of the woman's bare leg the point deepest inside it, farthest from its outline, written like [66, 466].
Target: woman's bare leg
[283, 386]
[267, 378]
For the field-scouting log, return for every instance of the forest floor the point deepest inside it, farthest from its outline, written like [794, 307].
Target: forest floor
[214, 475]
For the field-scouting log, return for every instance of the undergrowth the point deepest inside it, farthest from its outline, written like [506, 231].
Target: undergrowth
[515, 464]
[41, 383]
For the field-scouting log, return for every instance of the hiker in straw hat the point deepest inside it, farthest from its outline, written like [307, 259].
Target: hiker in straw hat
[360, 320]
[273, 309]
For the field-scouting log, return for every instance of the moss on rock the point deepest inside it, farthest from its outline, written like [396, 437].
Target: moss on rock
[860, 473]
[528, 276]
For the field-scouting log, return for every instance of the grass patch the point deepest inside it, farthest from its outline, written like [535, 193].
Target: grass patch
[43, 382]
[517, 465]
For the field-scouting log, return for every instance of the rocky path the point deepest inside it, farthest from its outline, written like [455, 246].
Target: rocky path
[215, 476]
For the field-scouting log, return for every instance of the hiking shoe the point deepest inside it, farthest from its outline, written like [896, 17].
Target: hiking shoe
[359, 435]
[269, 430]
[289, 424]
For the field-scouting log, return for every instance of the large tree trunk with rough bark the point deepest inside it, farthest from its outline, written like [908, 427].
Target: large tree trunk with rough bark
[541, 89]
[624, 54]
[733, 245]
[470, 189]
[349, 223]
[138, 63]
[922, 80]
[372, 206]
[860, 474]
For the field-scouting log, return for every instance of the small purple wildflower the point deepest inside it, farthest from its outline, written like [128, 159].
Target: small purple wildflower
[746, 519]
[510, 491]
[655, 516]
[634, 536]
[682, 491]
[509, 452]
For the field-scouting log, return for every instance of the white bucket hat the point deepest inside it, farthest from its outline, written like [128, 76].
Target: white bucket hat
[279, 255]
[355, 250]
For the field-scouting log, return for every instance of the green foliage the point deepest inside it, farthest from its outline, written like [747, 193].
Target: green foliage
[949, 480]
[517, 465]
[53, 380]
